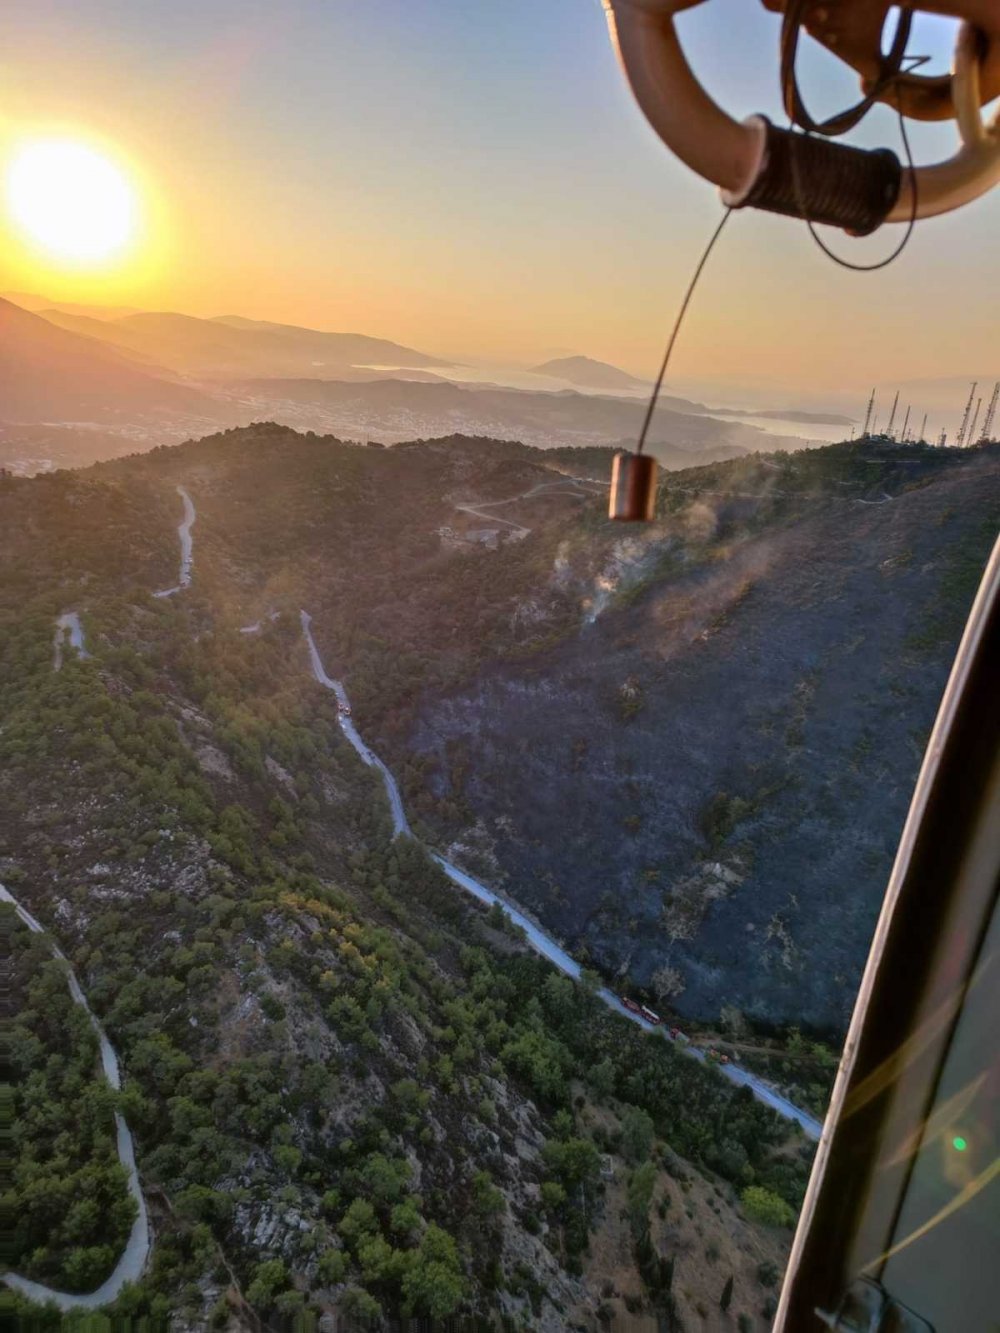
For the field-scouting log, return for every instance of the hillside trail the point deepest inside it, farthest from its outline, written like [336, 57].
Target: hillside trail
[187, 546]
[136, 1253]
[569, 486]
[133, 1258]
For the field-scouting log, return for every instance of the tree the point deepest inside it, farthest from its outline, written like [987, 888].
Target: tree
[667, 983]
[359, 1221]
[540, 1059]
[356, 1301]
[433, 1284]
[637, 1135]
[573, 1162]
[590, 980]
[384, 1179]
[497, 917]
[763, 1205]
[405, 1218]
[602, 1078]
[380, 1263]
[727, 1294]
[487, 1200]
[269, 1278]
[552, 1195]
[639, 1196]
[733, 1022]
[332, 1267]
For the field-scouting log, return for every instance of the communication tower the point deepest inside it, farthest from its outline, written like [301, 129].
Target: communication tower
[960, 437]
[892, 415]
[975, 418]
[991, 412]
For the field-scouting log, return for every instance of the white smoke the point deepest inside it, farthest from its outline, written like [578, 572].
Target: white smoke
[561, 568]
[629, 559]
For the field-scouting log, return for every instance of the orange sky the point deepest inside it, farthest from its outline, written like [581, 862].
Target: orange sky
[473, 181]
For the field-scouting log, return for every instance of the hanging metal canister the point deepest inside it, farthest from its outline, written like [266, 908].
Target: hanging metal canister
[633, 488]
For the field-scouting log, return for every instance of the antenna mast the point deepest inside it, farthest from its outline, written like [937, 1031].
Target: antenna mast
[892, 415]
[975, 418]
[991, 412]
[960, 437]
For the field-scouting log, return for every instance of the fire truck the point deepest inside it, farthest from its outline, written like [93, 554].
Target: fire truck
[634, 1007]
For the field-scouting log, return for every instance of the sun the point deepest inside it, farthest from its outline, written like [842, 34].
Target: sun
[71, 201]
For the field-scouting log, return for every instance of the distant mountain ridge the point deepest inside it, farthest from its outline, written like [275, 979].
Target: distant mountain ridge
[36, 304]
[154, 378]
[588, 373]
[230, 345]
[49, 373]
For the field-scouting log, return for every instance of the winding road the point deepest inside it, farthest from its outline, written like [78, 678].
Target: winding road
[187, 545]
[542, 943]
[569, 486]
[133, 1259]
[400, 824]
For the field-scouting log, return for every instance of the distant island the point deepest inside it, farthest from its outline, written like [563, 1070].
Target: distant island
[591, 374]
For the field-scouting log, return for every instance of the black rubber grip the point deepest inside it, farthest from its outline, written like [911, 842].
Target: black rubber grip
[824, 181]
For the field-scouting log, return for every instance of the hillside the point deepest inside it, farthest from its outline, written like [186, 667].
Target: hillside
[350, 1089]
[588, 373]
[231, 346]
[686, 750]
[728, 742]
[49, 374]
[767, 583]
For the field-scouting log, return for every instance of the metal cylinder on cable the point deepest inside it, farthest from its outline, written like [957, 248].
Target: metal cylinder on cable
[633, 488]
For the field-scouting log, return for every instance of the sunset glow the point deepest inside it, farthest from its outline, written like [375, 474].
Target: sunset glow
[71, 201]
[480, 187]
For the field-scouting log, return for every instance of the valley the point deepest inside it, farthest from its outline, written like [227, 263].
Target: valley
[354, 1079]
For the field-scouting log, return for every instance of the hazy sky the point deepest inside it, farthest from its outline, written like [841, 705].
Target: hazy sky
[473, 179]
